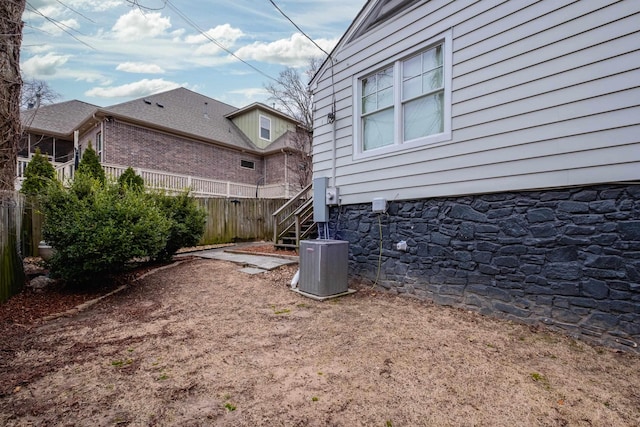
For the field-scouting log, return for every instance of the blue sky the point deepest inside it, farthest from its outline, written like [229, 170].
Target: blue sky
[125, 52]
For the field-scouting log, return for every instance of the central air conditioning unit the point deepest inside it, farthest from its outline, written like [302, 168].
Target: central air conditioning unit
[323, 267]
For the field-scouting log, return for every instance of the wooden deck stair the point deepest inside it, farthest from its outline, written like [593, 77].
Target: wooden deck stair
[294, 221]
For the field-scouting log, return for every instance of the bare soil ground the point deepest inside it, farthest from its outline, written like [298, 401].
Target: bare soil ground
[202, 343]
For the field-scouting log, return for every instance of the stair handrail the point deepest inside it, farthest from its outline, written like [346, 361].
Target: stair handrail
[282, 216]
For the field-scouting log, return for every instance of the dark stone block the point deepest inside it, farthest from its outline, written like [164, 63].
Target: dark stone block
[477, 289]
[499, 213]
[588, 219]
[583, 302]
[566, 240]
[514, 227]
[563, 254]
[440, 239]
[554, 195]
[562, 270]
[482, 257]
[513, 250]
[510, 309]
[585, 196]
[575, 230]
[533, 259]
[573, 207]
[488, 269]
[467, 213]
[595, 288]
[541, 215]
[538, 290]
[624, 307]
[480, 205]
[605, 239]
[566, 289]
[599, 273]
[565, 316]
[529, 269]
[488, 247]
[466, 232]
[506, 261]
[605, 262]
[629, 230]
[487, 228]
[446, 299]
[430, 213]
[546, 230]
[603, 206]
[603, 320]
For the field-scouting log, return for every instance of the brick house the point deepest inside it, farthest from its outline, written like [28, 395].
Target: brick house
[178, 135]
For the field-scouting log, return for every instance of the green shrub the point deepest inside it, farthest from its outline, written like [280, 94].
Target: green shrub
[39, 174]
[96, 229]
[90, 165]
[187, 222]
[130, 179]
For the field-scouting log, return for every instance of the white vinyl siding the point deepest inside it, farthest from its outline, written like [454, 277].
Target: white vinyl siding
[543, 94]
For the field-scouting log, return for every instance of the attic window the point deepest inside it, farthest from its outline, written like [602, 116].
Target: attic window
[265, 128]
[146, 101]
[247, 164]
[159, 105]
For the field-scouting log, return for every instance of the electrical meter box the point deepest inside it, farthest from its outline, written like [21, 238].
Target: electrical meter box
[324, 267]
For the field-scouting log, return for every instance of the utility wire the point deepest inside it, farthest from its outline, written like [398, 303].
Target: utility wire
[76, 12]
[214, 41]
[60, 25]
[298, 28]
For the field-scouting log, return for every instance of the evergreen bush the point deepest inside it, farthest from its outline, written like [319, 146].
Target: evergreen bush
[90, 165]
[97, 229]
[187, 221]
[131, 180]
[39, 174]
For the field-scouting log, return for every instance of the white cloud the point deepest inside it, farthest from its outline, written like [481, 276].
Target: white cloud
[44, 65]
[225, 34]
[136, 25]
[244, 97]
[57, 28]
[294, 51]
[136, 89]
[140, 67]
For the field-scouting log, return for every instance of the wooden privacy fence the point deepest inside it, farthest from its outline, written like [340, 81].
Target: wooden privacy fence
[232, 220]
[228, 220]
[11, 269]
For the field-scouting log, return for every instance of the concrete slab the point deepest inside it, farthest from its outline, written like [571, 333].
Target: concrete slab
[252, 270]
[257, 261]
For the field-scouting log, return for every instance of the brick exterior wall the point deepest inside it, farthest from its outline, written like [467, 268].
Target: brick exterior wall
[134, 146]
[566, 258]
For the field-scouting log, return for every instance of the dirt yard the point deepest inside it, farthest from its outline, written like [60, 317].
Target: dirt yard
[202, 343]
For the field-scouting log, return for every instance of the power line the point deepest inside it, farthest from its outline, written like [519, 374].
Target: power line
[76, 12]
[214, 41]
[298, 28]
[60, 25]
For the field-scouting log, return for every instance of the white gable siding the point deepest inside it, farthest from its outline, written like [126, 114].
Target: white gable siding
[544, 94]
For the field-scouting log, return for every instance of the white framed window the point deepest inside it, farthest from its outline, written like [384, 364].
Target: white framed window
[99, 146]
[405, 102]
[265, 128]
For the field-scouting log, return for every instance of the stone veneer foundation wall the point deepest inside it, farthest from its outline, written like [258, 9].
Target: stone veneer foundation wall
[568, 258]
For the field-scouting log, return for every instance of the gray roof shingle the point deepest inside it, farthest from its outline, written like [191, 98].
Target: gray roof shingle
[59, 119]
[186, 112]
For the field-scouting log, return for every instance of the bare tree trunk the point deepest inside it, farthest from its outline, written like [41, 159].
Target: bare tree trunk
[11, 268]
[10, 84]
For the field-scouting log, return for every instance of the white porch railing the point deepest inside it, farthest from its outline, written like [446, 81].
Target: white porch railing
[158, 180]
[201, 187]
